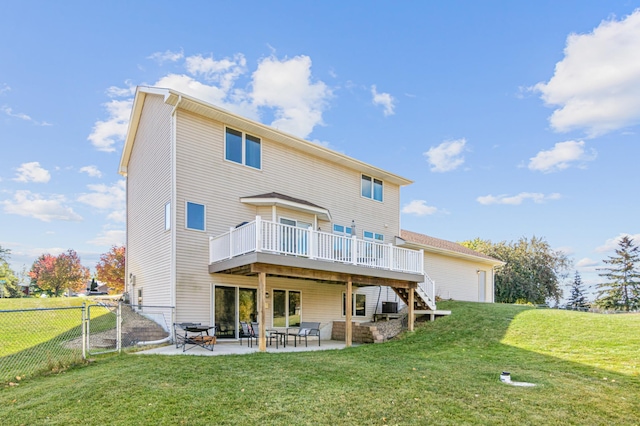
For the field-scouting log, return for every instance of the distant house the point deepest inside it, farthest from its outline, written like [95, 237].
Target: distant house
[230, 220]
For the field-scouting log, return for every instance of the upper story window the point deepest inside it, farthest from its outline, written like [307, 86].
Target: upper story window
[342, 230]
[372, 236]
[242, 148]
[195, 215]
[371, 188]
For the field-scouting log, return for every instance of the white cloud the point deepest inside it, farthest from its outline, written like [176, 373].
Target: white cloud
[283, 87]
[32, 172]
[586, 263]
[104, 197]
[26, 203]
[224, 72]
[120, 92]
[514, 200]
[419, 208]
[383, 99]
[286, 85]
[106, 133]
[166, 56]
[447, 156]
[5, 88]
[92, 171]
[109, 238]
[22, 116]
[613, 243]
[596, 86]
[561, 156]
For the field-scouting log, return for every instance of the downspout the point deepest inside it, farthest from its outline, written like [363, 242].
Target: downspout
[174, 208]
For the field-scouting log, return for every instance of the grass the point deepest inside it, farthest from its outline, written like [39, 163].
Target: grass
[444, 373]
[35, 340]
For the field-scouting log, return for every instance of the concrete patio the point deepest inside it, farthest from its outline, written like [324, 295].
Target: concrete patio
[235, 348]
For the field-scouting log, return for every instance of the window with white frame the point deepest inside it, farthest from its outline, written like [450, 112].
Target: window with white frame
[371, 188]
[358, 305]
[342, 230]
[195, 216]
[167, 216]
[372, 236]
[242, 148]
[287, 308]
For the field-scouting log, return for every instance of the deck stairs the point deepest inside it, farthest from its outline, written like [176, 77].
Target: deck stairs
[422, 300]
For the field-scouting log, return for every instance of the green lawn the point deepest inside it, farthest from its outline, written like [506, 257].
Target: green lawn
[32, 341]
[444, 373]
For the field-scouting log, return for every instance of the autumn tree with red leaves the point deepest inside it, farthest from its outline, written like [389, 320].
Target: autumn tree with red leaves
[56, 273]
[110, 269]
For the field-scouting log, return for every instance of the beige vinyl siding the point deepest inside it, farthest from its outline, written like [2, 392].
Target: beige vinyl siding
[205, 177]
[148, 190]
[456, 278]
[320, 302]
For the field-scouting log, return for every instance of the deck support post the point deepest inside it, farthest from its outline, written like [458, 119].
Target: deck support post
[411, 314]
[348, 310]
[262, 316]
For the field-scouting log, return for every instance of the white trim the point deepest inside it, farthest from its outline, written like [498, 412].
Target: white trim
[167, 216]
[292, 205]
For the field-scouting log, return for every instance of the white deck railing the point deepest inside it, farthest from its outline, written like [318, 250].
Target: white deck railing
[266, 236]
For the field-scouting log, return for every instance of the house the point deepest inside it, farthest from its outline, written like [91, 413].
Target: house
[231, 220]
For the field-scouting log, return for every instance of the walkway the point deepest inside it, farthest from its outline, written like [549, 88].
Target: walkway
[234, 348]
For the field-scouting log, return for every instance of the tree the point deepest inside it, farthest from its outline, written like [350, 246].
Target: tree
[8, 281]
[622, 290]
[56, 273]
[532, 271]
[110, 268]
[577, 300]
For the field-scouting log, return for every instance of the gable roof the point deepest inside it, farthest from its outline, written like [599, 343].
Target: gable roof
[277, 199]
[449, 248]
[187, 103]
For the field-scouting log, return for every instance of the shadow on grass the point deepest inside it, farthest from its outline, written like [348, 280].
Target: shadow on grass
[447, 372]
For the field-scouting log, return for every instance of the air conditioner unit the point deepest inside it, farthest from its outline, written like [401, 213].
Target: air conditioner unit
[389, 307]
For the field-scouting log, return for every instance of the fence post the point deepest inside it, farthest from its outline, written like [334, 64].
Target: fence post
[119, 327]
[83, 328]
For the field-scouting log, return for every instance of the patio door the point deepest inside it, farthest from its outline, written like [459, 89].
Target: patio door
[232, 305]
[295, 240]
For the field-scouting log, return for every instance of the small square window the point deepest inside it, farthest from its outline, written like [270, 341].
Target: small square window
[195, 216]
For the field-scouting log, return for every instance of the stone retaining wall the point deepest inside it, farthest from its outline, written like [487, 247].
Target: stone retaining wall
[360, 333]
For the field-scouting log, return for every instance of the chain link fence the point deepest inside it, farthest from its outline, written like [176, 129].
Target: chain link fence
[34, 341]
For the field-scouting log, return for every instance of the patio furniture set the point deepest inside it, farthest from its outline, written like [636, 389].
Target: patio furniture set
[197, 334]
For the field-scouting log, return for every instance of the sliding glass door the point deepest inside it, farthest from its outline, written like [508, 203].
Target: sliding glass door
[232, 305]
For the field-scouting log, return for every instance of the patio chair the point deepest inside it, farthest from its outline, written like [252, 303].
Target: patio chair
[255, 327]
[245, 332]
[181, 335]
[306, 330]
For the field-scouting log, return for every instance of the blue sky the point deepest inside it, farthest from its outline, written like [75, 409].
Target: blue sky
[513, 118]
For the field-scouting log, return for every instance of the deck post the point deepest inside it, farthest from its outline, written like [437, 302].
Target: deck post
[231, 242]
[348, 310]
[412, 316]
[262, 290]
[258, 234]
[354, 250]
